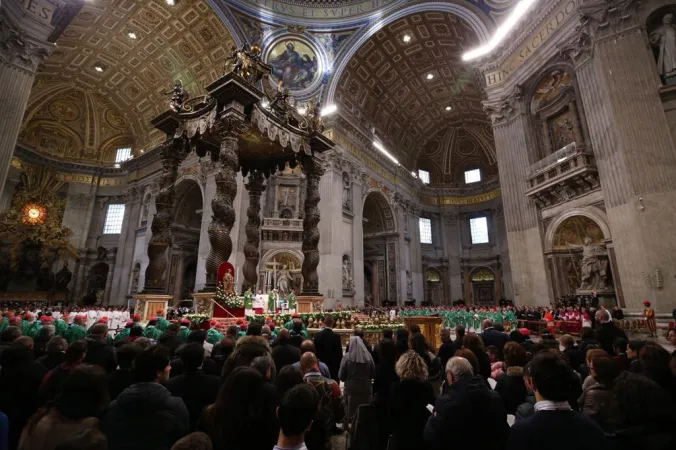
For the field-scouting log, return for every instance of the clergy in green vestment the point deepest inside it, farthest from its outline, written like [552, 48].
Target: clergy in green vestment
[4, 323]
[162, 323]
[124, 334]
[151, 331]
[292, 300]
[76, 331]
[248, 299]
[272, 307]
[213, 335]
[184, 330]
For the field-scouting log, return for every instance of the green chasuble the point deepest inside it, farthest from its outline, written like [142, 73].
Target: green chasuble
[75, 333]
[162, 324]
[4, 323]
[248, 300]
[25, 327]
[183, 333]
[271, 302]
[34, 329]
[292, 301]
[151, 332]
[60, 328]
[122, 335]
[214, 336]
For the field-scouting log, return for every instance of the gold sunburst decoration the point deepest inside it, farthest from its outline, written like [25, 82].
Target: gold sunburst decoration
[34, 213]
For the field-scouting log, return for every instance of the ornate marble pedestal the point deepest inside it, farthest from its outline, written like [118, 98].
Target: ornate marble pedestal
[204, 303]
[147, 305]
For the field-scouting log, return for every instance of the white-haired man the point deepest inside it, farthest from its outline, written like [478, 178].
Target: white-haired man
[606, 331]
[469, 409]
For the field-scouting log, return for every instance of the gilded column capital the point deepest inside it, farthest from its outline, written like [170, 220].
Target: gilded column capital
[505, 110]
[21, 51]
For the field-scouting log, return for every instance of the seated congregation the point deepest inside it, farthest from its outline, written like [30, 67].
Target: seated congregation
[256, 392]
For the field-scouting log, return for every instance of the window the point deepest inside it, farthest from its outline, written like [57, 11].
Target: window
[472, 176]
[425, 231]
[479, 229]
[424, 176]
[114, 216]
[122, 154]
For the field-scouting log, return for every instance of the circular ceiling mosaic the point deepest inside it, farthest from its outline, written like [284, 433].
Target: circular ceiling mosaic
[296, 63]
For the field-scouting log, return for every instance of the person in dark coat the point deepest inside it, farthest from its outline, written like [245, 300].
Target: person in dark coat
[228, 427]
[474, 343]
[552, 381]
[491, 336]
[571, 353]
[284, 353]
[587, 341]
[329, 347]
[467, 413]
[408, 402]
[20, 379]
[401, 341]
[596, 402]
[99, 352]
[221, 352]
[448, 347]
[170, 339]
[385, 377]
[511, 386]
[55, 378]
[644, 419]
[607, 332]
[56, 353]
[195, 388]
[146, 415]
[123, 377]
[247, 348]
[210, 366]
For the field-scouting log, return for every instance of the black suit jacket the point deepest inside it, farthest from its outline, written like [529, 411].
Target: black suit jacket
[284, 354]
[606, 333]
[329, 350]
[491, 336]
[197, 391]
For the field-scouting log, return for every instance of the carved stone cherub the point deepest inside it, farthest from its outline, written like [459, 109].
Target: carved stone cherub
[178, 95]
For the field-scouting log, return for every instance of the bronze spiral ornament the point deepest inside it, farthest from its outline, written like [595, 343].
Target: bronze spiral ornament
[223, 213]
[310, 231]
[256, 186]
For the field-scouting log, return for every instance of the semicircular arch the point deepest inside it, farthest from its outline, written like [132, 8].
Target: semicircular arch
[378, 213]
[592, 213]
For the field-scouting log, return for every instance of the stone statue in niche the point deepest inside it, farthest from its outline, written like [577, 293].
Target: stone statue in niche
[593, 267]
[664, 38]
[145, 207]
[348, 284]
[284, 282]
[347, 192]
[134, 279]
[409, 284]
[63, 277]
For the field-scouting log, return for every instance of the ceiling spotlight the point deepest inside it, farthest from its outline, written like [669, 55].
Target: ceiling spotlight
[98, 69]
[328, 110]
[430, 76]
[171, 2]
[414, 175]
[407, 38]
[131, 35]
[448, 108]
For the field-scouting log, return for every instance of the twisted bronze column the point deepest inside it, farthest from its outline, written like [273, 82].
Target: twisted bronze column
[158, 248]
[223, 213]
[313, 172]
[256, 186]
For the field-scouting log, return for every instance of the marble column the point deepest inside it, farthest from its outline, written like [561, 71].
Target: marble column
[255, 187]
[417, 272]
[313, 172]
[109, 277]
[358, 237]
[20, 55]
[125, 246]
[635, 153]
[524, 234]
[451, 226]
[222, 206]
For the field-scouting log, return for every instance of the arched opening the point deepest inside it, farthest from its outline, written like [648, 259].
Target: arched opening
[435, 293]
[380, 250]
[483, 286]
[186, 232]
[281, 270]
[579, 256]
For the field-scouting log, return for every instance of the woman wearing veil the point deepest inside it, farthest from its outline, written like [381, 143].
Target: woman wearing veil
[356, 371]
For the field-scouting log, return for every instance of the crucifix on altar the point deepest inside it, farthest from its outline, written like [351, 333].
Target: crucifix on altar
[241, 130]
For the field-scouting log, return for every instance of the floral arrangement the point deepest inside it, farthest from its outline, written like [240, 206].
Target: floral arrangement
[196, 320]
[381, 326]
[311, 320]
[228, 299]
